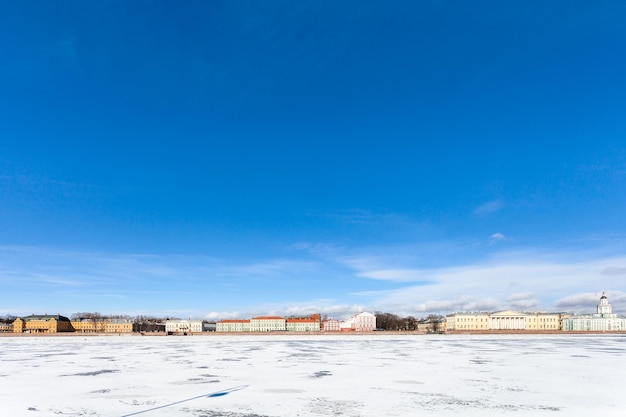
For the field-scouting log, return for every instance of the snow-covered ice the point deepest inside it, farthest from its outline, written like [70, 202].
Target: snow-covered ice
[320, 375]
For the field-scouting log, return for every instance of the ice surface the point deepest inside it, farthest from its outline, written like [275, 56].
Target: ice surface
[320, 375]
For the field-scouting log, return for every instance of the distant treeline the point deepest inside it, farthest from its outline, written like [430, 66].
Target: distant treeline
[390, 321]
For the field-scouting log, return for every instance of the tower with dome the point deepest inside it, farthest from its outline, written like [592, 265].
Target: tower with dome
[603, 321]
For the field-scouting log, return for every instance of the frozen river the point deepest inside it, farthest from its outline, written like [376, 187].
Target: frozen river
[322, 375]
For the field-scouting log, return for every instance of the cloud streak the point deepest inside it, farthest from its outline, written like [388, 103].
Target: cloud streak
[489, 207]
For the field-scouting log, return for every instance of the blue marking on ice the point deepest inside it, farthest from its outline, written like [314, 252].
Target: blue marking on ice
[211, 395]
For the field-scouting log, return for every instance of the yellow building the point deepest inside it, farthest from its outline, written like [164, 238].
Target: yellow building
[467, 321]
[42, 324]
[119, 326]
[505, 320]
[88, 326]
[102, 326]
[543, 321]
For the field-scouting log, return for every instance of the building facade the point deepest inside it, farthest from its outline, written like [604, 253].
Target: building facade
[362, 322]
[468, 321]
[42, 324]
[506, 320]
[304, 324]
[89, 325]
[543, 321]
[331, 325]
[232, 326]
[603, 321]
[268, 324]
[183, 326]
[430, 325]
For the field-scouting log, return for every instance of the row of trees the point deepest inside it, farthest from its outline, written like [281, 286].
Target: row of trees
[390, 321]
[7, 318]
[99, 317]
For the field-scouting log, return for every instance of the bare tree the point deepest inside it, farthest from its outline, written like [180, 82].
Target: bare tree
[435, 322]
[389, 321]
[9, 318]
[410, 323]
[148, 324]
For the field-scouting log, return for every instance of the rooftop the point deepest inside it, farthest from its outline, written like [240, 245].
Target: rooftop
[45, 317]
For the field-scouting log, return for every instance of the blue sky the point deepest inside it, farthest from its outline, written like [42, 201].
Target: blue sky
[225, 159]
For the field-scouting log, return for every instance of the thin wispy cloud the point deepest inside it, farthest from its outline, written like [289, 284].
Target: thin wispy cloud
[396, 275]
[153, 279]
[276, 267]
[63, 282]
[489, 207]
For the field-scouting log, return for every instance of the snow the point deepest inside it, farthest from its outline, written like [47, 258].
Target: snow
[313, 375]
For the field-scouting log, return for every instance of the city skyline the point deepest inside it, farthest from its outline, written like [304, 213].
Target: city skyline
[224, 160]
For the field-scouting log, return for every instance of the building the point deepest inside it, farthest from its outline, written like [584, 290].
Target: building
[119, 326]
[304, 324]
[42, 324]
[268, 324]
[209, 326]
[468, 321]
[91, 325]
[331, 325]
[507, 320]
[362, 322]
[603, 321]
[229, 326]
[504, 320]
[183, 326]
[432, 325]
[6, 327]
[543, 321]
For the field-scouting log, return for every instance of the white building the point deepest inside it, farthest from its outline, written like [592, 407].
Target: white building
[604, 320]
[229, 326]
[331, 325]
[507, 320]
[183, 326]
[304, 324]
[268, 324]
[362, 322]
